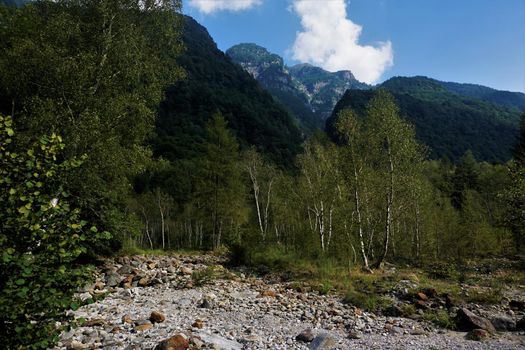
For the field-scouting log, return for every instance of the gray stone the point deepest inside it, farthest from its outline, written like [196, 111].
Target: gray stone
[219, 342]
[503, 323]
[467, 321]
[113, 279]
[322, 342]
[305, 336]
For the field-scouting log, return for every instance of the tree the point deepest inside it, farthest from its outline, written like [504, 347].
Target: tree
[319, 187]
[395, 154]
[466, 177]
[353, 161]
[518, 150]
[219, 189]
[40, 239]
[95, 71]
[515, 194]
[262, 177]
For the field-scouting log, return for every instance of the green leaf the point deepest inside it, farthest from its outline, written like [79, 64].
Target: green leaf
[22, 293]
[20, 281]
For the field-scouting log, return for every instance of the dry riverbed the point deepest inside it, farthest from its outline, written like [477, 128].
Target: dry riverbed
[194, 302]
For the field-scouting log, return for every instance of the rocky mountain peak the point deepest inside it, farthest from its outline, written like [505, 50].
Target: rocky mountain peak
[315, 88]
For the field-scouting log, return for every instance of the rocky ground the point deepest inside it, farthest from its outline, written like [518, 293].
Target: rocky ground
[193, 302]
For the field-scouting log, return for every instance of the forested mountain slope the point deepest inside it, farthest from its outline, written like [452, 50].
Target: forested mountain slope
[505, 98]
[448, 123]
[215, 84]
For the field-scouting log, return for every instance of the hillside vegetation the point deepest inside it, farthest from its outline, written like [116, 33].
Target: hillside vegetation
[123, 129]
[448, 123]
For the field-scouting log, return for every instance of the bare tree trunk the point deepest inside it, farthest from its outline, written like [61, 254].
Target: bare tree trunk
[267, 208]
[320, 218]
[359, 221]
[162, 225]
[147, 228]
[389, 204]
[417, 241]
[256, 191]
[329, 227]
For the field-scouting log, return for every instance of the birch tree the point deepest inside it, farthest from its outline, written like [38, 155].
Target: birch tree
[319, 184]
[262, 178]
[395, 152]
[352, 163]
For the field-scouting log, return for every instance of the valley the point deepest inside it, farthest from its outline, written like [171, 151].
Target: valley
[165, 188]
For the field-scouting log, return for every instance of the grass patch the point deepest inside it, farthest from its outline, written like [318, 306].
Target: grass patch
[408, 309]
[491, 296]
[368, 302]
[205, 276]
[440, 318]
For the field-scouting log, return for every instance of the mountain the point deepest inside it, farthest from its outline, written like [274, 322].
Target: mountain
[310, 93]
[504, 98]
[448, 122]
[215, 84]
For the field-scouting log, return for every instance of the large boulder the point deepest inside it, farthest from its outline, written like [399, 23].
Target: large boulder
[503, 323]
[468, 321]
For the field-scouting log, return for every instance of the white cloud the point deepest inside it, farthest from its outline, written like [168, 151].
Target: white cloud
[209, 6]
[330, 40]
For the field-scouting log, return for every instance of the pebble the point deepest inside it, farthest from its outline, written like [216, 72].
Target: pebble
[240, 313]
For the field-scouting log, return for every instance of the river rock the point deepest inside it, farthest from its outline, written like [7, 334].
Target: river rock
[305, 336]
[477, 334]
[503, 323]
[157, 317]
[322, 342]
[219, 342]
[177, 342]
[467, 321]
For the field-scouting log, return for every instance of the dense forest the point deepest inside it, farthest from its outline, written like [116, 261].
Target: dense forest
[119, 130]
[450, 124]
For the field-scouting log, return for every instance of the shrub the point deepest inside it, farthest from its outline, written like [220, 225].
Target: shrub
[40, 239]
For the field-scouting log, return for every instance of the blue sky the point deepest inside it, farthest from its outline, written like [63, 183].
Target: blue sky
[473, 41]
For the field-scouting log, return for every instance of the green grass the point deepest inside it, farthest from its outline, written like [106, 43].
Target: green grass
[368, 302]
[490, 296]
[440, 318]
[206, 276]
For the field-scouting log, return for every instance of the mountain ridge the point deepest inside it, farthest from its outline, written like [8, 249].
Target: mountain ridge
[215, 84]
[309, 92]
[449, 123]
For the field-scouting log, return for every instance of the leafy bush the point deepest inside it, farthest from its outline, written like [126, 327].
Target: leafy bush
[40, 239]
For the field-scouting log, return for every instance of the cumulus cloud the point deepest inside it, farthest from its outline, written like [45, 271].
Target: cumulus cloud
[330, 40]
[209, 6]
